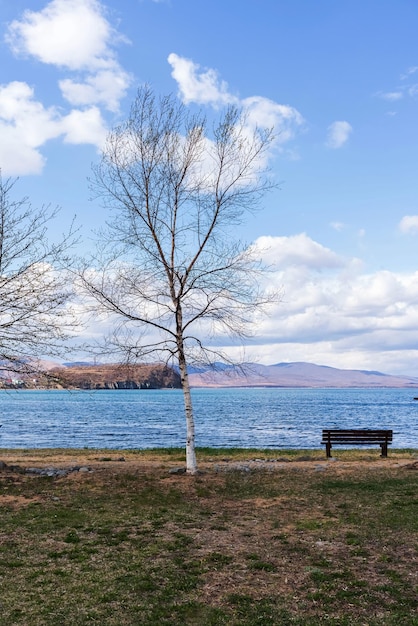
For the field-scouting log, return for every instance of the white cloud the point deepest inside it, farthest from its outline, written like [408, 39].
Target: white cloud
[268, 114]
[26, 125]
[200, 86]
[84, 127]
[297, 250]
[69, 33]
[339, 316]
[74, 35]
[336, 317]
[30, 118]
[107, 87]
[402, 91]
[392, 96]
[338, 134]
[409, 224]
[204, 86]
[338, 226]
[17, 157]
[409, 72]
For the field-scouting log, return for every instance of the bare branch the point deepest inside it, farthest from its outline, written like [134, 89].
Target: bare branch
[171, 269]
[35, 315]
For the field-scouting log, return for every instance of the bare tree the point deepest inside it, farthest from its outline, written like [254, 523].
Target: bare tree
[34, 316]
[171, 269]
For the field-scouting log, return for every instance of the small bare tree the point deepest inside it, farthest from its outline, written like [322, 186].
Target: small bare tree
[171, 265]
[34, 316]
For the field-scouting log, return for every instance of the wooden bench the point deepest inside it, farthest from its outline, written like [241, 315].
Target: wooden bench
[355, 437]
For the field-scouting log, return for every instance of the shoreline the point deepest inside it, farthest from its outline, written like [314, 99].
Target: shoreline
[229, 457]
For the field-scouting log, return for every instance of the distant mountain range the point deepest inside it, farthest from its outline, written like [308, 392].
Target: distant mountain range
[86, 375]
[294, 375]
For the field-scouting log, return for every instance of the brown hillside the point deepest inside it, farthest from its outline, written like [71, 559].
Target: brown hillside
[154, 376]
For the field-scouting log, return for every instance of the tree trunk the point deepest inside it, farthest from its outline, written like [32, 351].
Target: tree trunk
[191, 466]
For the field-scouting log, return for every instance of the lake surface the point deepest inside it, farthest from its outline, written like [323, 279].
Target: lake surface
[261, 418]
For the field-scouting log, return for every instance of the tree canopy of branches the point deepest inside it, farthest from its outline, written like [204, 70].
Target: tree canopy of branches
[34, 316]
[171, 269]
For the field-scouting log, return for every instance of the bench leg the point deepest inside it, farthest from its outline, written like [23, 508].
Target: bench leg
[328, 449]
[384, 447]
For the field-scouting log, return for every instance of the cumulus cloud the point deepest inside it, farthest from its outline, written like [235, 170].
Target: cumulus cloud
[69, 33]
[297, 250]
[31, 118]
[106, 87]
[204, 86]
[197, 85]
[85, 126]
[76, 37]
[409, 224]
[366, 304]
[265, 113]
[338, 134]
[331, 312]
[26, 125]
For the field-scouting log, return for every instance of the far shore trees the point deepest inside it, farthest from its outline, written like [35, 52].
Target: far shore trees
[171, 269]
[35, 317]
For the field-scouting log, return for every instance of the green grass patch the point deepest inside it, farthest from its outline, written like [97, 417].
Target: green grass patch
[130, 544]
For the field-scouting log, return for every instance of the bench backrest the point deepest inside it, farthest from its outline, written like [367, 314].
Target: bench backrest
[357, 436]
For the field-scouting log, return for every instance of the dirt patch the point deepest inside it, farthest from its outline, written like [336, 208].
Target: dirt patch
[17, 501]
[245, 535]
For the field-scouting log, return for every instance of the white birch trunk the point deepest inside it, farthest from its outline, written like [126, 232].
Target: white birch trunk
[191, 465]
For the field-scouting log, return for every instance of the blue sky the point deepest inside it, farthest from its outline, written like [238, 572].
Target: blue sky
[340, 82]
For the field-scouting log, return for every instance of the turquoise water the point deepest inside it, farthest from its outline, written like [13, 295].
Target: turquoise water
[262, 418]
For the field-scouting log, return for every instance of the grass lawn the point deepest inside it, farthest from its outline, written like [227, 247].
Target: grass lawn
[258, 538]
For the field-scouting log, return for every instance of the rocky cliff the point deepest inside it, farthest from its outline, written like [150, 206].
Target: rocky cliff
[115, 377]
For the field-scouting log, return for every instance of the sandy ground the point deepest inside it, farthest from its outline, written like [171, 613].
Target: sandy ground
[128, 461]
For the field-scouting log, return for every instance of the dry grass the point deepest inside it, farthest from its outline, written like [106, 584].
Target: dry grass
[258, 538]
